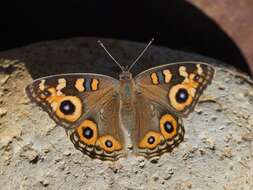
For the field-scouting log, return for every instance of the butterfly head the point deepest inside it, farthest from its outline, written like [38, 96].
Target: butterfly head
[125, 75]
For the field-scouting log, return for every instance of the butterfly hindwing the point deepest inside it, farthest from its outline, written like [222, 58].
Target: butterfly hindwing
[157, 129]
[99, 134]
[178, 85]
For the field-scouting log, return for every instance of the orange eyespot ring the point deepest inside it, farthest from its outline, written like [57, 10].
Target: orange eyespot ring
[168, 126]
[87, 132]
[181, 96]
[150, 140]
[68, 108]
[108, 143]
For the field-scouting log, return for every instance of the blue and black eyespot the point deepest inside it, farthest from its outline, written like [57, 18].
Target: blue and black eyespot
[182, 95]
[67, 107]
[88, 132]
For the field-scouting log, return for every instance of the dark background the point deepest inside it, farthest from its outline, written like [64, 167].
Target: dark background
[175, 24]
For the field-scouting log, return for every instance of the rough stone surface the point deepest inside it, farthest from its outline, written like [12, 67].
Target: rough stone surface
[217, 152]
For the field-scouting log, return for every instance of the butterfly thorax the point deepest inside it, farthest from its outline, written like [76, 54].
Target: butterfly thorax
[126, 89]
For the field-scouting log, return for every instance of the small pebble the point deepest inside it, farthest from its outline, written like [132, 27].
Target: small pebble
[142, 164]
[189, 184]
[4, 80]
[154, 160]
[247, 136]
[227, 152]
[3, 112]
[213, 118]
[209, 142]
[221, 87]
[67, 153]
[202, 152]
[169, 174]
[231, 165]
[155, 177]
[45, 182]
[30, 154]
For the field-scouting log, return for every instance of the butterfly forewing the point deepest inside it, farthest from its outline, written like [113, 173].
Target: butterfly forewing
[67, 98]
[178, 85]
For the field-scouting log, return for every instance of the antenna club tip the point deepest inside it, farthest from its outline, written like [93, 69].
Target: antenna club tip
[152, 39]
[99, 42]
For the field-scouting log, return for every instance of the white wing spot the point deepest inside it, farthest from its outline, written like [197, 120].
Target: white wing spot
[182, 72]
[42, 85]
[168, 75]
[61, 85]
[199, 69]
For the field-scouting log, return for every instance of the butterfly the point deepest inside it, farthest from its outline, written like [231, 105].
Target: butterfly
[107, 118]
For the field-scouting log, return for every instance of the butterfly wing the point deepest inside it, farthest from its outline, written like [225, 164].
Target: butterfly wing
[99, 135]
[87, 106]
[164, 94]
[68, 97]
[157, 130]
[178, 85]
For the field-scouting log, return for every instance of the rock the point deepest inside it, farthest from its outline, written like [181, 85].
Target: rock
[227, 152]
[7, 134]
[155, 177]
[154, 160]
[208, 154]
[44, 182]
[247, 136]
[30, 154]
[67, 153]
[169, 174]
[3, 112]
[189, 184]
[209, 142]
[142, 164]
[47, 148]
[4, 80]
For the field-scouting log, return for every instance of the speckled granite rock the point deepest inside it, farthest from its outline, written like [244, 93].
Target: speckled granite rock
[217, 152]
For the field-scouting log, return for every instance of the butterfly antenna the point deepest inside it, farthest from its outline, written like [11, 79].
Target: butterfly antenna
[141, 54]
[102, 45]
